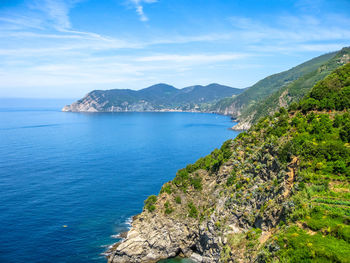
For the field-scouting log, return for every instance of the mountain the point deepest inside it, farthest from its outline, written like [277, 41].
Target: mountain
[279, 192]
[154, 98]
[292, 92]
[281, 89]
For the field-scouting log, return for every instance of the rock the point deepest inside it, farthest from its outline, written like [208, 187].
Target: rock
[222, 212]
[196, 258]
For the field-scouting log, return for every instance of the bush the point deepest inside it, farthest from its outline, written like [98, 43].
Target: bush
[150, 203]
[196, 182]
[193, 212]
[231, 180]
[178, 199]
[168, 209]
[344, 132]
[166, 189]
[226, 149]
[309, 104]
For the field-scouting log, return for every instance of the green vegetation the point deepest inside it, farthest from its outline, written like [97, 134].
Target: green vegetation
[158, 97]
[186, 177]
[178, 199]
[150, 203]
[166, 189]
[288, 175]
[267, 86]
[168, 209]
[318, 224]
[290, 92]
[299, 246]
[192, 210]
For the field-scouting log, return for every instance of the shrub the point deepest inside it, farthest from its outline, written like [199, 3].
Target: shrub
[231, 180]
[226, 149]
[150, 203]
[168, 209]
[344, 132]
[309, 104]
[193, 212]
[178, 199]
[166, 189]
[196, 182]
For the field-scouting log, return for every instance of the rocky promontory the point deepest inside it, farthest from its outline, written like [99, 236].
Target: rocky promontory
[196, 214]
[277, 193]
[159, 97]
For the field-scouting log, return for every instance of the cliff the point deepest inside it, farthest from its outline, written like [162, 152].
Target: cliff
[278, 192]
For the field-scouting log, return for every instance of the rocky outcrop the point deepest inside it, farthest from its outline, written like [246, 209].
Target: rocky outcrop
[242, 126]
[92, 103]
[198, 222]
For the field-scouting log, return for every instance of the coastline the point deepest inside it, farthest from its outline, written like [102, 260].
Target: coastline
[239, 126]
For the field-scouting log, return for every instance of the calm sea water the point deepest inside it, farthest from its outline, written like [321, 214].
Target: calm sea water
[70, 181]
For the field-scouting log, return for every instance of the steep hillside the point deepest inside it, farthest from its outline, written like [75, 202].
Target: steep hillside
[279, 192]
[155, 98]
[292, 92]
[270, 84]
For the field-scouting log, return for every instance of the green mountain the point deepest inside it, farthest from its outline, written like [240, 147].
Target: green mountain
[281, 89]
[155, 98]
[279, 192]
[294, 91]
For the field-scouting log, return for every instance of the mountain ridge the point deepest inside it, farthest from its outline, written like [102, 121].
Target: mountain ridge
[158, 97]
[292, 92]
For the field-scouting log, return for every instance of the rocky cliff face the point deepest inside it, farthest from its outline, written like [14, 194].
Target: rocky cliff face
[91, 103]
[197, 214]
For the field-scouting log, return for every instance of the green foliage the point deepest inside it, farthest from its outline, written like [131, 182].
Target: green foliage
[292, 90]
[298, 246]
[231, 180]
[166, 189]
[332, 93]
[178, 199]
[192, 210]
[196, 182]
[226, 149]
[168, 209]
[253, 234]
[182, 179]
[150, 203]
[309, 105]
[344, 131]
[258, 100]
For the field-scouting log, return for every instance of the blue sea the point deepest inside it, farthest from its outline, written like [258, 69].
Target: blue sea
[69, 182]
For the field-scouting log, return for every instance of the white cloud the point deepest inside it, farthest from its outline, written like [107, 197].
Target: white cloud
[289, 31]
[57, 11]
[138, 5]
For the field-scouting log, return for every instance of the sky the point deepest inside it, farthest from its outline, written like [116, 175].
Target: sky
[66, 48]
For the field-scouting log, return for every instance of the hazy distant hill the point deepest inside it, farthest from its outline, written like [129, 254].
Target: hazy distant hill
[154, 98]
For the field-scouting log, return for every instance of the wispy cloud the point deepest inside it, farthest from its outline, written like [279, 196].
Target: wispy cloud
[138, 5]
[291, 29]
[46, 48]
[193, 58]
[293, 32]
[57, 11]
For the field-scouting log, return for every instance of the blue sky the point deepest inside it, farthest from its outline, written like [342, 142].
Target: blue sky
[66, 48]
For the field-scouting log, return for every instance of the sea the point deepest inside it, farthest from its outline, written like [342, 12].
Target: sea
[70, 182]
